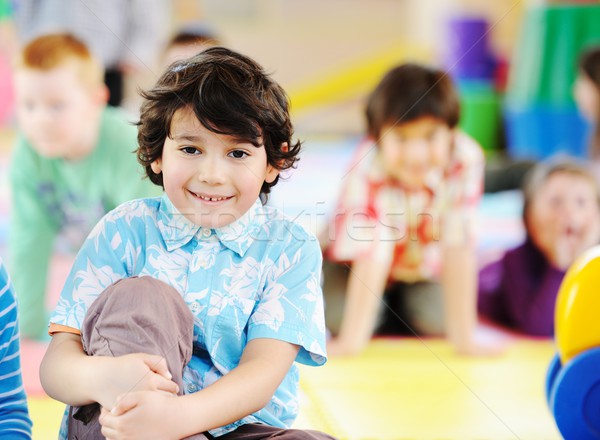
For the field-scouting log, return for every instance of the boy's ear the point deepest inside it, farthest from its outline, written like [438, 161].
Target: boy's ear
[156, 166]
[273, 172]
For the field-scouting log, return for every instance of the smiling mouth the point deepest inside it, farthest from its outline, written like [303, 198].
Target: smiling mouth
[207, 198]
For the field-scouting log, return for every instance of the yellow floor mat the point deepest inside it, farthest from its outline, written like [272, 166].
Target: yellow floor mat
[406, 389]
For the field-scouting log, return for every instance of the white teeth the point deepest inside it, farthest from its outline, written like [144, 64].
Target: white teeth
[210, 199]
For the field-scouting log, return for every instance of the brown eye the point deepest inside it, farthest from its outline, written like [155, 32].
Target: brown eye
[238, 154]
[190, 150]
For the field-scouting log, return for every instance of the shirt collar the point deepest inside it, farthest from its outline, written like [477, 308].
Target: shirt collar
[177, 230]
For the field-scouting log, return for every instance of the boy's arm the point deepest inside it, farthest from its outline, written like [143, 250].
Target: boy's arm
[459, 283]
[30, 240]
[245, 390]
[70, 376]
[459, 267]
[459, 286]
[366, 285]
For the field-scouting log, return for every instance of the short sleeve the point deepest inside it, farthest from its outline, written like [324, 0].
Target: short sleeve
[291, 304]
[465, 184]
[104, 258]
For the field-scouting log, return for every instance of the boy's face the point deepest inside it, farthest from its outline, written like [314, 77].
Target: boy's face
[57, 113]
[411, 150]
[565, 208]
[210, 178]
[587, 97]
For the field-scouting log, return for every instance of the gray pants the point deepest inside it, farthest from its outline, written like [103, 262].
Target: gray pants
[264, 432]
[134, 315]
[406, 308]
[145, 315]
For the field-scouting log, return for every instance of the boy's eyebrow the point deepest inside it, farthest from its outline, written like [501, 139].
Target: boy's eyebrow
[190, 137]
[187, 137]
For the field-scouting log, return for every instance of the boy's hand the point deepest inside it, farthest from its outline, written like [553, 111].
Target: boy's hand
[142, 415]
[477, 348]
[482, 345]
[133, 372]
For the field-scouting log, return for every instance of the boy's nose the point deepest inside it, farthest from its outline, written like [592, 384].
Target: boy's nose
[42, 118]
[417, 150]
[211, 171]
[567, 215]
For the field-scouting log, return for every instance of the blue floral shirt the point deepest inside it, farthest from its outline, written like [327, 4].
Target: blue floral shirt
[258, 277]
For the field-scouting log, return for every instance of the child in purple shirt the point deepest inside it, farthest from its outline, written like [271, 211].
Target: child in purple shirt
[561, 213]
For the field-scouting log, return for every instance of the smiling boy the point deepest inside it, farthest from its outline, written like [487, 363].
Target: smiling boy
[183, 315]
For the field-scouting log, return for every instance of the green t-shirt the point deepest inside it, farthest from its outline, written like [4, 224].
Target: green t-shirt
[56, 196]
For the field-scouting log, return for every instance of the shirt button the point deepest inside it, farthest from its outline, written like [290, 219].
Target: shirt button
[194, 307]
[206, 233]
[191, 388]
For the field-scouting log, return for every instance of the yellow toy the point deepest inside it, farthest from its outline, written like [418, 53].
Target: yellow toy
[573, 380]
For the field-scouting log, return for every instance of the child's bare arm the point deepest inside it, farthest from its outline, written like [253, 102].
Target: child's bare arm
[366, 285]
[70, 376]
[459, 282]
[245, 390]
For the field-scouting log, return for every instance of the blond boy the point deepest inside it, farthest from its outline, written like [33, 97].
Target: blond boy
[71, 164]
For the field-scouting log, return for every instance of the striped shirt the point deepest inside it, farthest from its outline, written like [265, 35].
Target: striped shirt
[14, 417]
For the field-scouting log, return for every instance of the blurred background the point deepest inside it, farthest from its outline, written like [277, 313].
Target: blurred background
[329, 55]
[514, 63]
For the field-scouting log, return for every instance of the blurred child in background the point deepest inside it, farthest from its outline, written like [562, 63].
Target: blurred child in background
[587, 96]
[73, 161]
[14, 416]
[403, 235]
[561, 213]
[188, 41]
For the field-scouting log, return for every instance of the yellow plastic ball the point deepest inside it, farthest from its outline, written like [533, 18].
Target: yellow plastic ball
[577, 313]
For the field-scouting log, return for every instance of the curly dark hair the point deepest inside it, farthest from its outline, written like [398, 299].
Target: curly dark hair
[409, 92]
[230, 94]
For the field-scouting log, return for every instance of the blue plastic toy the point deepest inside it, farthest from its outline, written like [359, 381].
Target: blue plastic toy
[573, 378]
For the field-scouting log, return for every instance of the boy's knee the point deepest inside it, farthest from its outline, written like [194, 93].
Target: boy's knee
[141, 311]
[142, 296]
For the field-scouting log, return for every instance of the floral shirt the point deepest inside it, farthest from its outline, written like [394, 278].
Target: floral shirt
[258, 277]
[379, 219]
